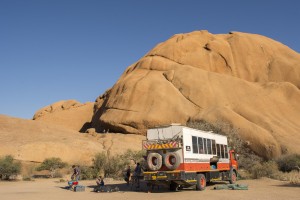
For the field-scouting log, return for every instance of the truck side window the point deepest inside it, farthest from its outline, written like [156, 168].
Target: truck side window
[222, 150]
[200, 145]
[205, 146]
[214, 147]
[208, 146]
[226, 151]
[195, 145]
[218, 151]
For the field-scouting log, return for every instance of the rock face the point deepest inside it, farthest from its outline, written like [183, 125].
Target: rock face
[29, 140]
[247, 80]
[71, 114]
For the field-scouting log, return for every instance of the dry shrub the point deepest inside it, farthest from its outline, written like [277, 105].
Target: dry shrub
[27, 178]
[28, 169]
[87, 172]
[111, 166]
[294, 178]
[290, 162]
[265, 169]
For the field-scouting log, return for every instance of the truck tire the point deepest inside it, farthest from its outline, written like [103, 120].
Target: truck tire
[172, 160]
[232, 178]
[201, 182]
[154, 161]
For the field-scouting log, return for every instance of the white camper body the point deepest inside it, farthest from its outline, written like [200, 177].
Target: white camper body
[212, 144]
[179, 155]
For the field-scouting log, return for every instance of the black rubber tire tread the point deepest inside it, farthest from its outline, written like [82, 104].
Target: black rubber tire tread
[231, 180]
[199, 186]
[151, 166]
[169, 165]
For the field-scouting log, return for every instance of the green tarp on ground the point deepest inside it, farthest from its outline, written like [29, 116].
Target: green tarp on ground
[231, 187]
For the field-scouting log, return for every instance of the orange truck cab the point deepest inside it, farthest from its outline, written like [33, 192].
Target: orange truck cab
[178, 156]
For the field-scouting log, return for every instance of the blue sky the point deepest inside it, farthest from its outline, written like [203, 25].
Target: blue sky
[53, 50]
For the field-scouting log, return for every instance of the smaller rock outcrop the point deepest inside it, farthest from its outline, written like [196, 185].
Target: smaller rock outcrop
[70, 114]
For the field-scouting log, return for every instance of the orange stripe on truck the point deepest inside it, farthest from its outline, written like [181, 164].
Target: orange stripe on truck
[199, 167]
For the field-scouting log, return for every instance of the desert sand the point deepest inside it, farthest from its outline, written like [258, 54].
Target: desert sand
[263, 189]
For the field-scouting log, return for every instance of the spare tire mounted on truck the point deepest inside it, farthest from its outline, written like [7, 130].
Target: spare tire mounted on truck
[172, 160]
[154, 161]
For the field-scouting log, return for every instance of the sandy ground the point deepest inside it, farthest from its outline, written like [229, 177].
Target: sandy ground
[53, 189]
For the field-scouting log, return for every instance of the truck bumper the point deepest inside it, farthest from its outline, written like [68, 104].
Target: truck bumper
[166, 177]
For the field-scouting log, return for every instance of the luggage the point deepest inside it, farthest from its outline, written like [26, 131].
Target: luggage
[79, 188]
[70, 183]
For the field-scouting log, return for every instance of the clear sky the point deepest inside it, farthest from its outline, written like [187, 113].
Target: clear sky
[53, 50]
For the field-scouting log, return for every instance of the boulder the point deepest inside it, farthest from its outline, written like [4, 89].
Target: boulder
[249, 81]
[70, 114]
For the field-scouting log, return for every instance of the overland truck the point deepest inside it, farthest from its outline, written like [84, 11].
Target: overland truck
[179, 157]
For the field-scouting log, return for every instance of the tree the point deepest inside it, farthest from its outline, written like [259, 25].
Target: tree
[9, 167]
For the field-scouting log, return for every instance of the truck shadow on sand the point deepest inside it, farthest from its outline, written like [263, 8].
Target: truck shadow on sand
[288, 185]
[143, 188]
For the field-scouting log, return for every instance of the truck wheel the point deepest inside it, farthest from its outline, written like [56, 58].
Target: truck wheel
[154, 161]
[201, 182]
[232, 177]
[172, 160]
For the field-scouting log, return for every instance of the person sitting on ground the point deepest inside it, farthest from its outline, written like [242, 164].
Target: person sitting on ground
[100, 181]
[100, 184]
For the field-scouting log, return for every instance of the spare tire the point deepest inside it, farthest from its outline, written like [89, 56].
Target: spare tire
[154, 161]
[172, 160]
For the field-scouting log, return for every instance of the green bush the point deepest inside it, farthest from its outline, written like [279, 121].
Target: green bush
[52, 164]
[110, 166]
[87, 173]
[289, 162]
[9, 167]
[100, 161]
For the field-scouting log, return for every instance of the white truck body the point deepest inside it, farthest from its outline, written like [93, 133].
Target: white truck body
[190, 153]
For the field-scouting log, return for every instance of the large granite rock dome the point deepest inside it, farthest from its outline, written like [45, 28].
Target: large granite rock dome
[247, 80]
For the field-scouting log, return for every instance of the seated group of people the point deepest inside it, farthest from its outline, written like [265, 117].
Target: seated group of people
[100, 182]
